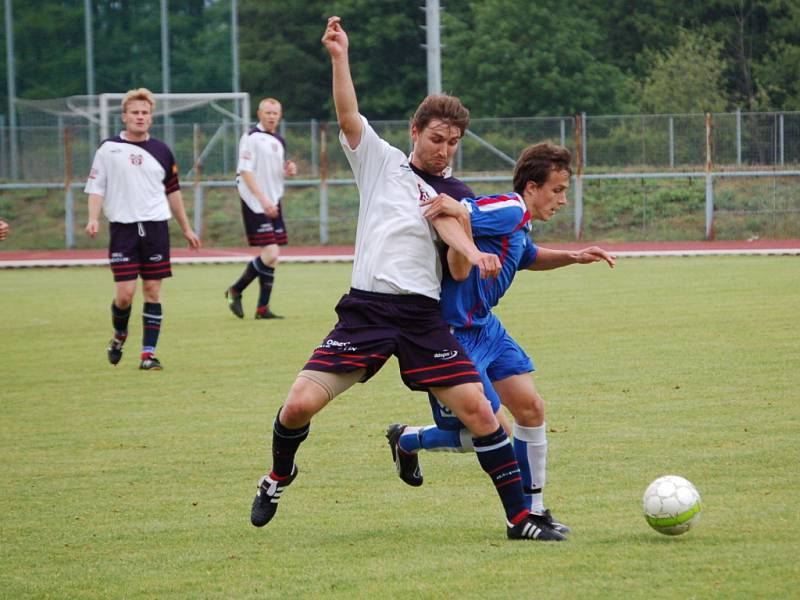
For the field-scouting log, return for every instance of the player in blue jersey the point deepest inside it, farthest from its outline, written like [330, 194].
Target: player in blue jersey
[501, 225]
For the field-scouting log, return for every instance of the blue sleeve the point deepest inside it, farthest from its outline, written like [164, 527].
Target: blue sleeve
[495, 215]
[528, 254]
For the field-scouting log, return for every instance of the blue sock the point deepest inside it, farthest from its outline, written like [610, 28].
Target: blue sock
[496, 456]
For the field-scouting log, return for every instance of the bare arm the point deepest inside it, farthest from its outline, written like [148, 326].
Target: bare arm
[452, 233]
[175, 200]
[4, 229]
[268, 205]
[444, 205]
[547, 258]
[344, 93]
[93, 223]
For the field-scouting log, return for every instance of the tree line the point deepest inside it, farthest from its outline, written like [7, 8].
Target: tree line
[504, 58]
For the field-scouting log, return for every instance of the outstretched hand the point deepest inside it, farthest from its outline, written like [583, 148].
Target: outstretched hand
[595, 254]
[335, 39]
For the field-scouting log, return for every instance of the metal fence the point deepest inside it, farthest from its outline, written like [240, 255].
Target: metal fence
[688, 176]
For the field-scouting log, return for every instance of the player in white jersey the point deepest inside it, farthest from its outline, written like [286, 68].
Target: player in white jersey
[260, 176]
[393, 308]
[134, 179]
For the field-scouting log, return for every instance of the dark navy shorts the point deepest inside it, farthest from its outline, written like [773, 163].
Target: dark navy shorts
[374, 326]
[261, 230]
[139, 249]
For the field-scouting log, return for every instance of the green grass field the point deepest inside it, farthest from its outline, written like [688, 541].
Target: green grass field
[126, 484]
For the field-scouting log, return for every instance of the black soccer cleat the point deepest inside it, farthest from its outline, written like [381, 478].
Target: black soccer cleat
[151, 363]
[234, 302]
[115, 351]
[534, 527]
[265, 504]
[406, 463]
[548, 518]
[267, 314]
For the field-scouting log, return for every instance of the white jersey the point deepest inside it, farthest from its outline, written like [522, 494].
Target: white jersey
[395, 251]
[134, 179]
[262, 154]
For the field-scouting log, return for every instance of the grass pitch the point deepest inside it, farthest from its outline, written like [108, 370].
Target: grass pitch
[126, 484]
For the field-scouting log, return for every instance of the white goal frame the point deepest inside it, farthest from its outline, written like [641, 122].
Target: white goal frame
[109, 105]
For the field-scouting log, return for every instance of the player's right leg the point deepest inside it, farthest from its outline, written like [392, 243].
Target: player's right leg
[496, 457]
[120, 315]
[310, 393]
[123, 257]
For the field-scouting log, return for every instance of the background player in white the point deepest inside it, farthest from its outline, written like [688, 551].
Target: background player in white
[392, 309]
[134, 179]
[260, 181]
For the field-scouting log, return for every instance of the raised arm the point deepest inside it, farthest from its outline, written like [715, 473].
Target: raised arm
[547, 258]
[344, 93]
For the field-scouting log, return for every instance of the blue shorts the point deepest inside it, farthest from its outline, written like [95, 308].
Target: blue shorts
[496, 356]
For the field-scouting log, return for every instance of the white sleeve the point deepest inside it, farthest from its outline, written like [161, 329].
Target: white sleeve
[96, 183]
[247, 157]
[368, 157]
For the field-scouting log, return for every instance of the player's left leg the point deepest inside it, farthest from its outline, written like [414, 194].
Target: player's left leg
[518, 393]
[152, 316]
[268, 260]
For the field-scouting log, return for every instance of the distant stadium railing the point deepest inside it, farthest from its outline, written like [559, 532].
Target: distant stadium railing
[742, 165]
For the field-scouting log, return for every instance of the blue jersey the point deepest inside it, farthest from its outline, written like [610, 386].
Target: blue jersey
[501, 225]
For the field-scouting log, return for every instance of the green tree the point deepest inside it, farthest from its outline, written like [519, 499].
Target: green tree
[688, 78]
[521, 59]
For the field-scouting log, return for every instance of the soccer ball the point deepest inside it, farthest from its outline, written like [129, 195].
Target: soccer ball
[671, 505]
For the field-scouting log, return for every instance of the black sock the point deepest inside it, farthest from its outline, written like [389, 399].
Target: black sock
[265, 277]
[119, 321]
[496, 455]
[285, 443]
[250, 273]
[151, 322]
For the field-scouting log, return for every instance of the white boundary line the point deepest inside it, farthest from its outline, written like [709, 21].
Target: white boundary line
[314, 258]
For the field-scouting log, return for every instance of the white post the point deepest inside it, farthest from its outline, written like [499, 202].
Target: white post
[11, 80]
[433, 46]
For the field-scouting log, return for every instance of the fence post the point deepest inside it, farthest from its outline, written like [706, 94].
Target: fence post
[709, 179]
[583, 139]
[671, 142]
[323, 184]
[780, 137]
[738, 136]
[314, 149]
[69, 208]
[198, 190]
[579, 154]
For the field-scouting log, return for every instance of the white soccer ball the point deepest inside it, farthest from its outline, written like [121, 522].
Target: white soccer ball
[671, 505]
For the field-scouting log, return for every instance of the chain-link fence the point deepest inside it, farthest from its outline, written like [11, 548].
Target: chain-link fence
[643, 177]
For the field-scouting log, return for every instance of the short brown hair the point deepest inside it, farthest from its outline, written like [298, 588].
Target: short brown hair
[537, 162]
[443, 107]
[139, 94]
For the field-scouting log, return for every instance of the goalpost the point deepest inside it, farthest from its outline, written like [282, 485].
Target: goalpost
[168, 105]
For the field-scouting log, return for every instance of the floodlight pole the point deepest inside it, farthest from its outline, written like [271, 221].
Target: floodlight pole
[165, 67]
[433, 46]
[12, 91]
[90, 89]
